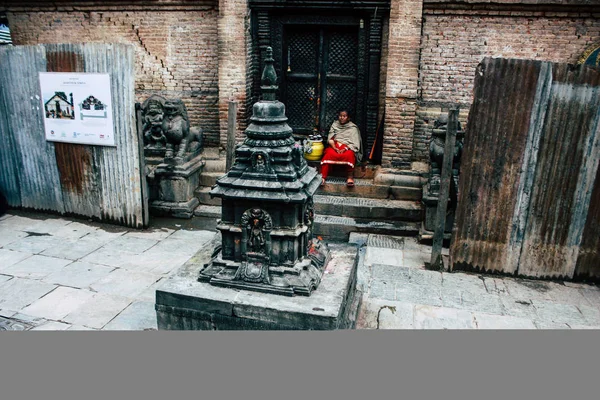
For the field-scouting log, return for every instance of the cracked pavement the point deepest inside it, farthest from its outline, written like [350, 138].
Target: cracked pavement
[399, 293]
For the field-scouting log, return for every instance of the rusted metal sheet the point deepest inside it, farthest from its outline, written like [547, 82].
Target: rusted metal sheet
[493, 156]
[118, 167]
[568, 159]
[35, 183]
[74, 161]
[530, 161]
[589, 251]
[95, 181]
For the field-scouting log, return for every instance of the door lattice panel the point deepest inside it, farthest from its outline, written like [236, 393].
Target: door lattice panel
[303, 51]
[339, 95]
[343, 48]
[301, 105]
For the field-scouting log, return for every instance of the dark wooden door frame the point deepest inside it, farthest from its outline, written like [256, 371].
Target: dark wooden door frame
[267, 30]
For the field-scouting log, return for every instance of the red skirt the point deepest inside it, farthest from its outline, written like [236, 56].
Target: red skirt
[333, 157]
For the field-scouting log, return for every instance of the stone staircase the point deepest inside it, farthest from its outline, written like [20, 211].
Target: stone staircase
[381, 202]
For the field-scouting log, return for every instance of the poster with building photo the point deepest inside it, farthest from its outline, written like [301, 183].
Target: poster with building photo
[77, 108]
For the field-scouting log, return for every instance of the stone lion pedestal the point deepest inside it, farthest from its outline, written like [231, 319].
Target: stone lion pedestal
[173, 149]
[175, 185]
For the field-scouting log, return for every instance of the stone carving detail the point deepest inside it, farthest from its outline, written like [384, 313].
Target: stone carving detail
[258, 224]
[261, 162]
[153, 111]
[436, 152]
[309, 218]
[167, 131]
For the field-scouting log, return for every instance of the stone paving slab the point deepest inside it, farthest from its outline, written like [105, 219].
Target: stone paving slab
[592, 295]
[46, 226]
[74, 249]
[36, 267]
[386, 314]
[104, 237]
[590, 314]
[383, 256]
[558, 313]
[59, 303]
[80, 328]
[125, 283]
[152, 234]
[154, 261]
[130, 244]
[74, 230]
[20, 223]
[19, 292]
[34, 244]
[11, 257]
[429, 317]
[139, 316]
[78, 274]
[518, 308]
[98, 310]
[489, 321]
[479, 301]
[109, 257]
[495, 285]
[52, 326]
[8, 236]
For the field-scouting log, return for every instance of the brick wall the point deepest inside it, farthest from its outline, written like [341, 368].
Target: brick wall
[454, 41]
[404, 37]
[453, 45]
[175, 49]
[233, 24]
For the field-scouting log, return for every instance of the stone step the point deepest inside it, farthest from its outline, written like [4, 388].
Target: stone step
[367, 171]
[209, 179]
[364, 188]
[202, 194]
[339, 228]
[365, 208]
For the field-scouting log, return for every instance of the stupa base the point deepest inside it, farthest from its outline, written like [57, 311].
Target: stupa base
[184, 304]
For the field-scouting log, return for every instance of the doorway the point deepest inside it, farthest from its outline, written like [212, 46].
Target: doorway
[320, 75]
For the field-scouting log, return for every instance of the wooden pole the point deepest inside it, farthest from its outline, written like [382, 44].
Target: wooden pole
[446, 176]
[231, 124]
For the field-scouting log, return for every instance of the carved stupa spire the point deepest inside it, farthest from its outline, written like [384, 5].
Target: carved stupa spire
[269, 78]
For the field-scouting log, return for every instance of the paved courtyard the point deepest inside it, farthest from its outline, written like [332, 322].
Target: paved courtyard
[69, 274]
[399, 293]
[64, 274]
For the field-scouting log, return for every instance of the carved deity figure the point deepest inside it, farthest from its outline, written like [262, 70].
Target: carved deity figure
[152, 122]
[256, 238]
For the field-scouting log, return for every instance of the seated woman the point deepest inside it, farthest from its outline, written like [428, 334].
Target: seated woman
[345, 147]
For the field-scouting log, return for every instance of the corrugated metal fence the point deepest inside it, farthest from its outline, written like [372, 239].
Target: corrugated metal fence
[530, 183]
[94, 181]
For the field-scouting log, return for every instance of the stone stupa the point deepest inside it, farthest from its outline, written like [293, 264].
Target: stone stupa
[267, 208]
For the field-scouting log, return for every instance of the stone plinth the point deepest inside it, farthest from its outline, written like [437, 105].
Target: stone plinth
[175, 186]
[182, 303]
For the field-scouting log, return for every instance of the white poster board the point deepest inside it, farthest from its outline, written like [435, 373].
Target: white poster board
[77, 108]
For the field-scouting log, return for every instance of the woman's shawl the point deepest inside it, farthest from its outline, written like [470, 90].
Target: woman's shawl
[348, 134]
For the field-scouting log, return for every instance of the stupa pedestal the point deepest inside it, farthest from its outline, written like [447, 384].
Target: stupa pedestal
[184, 303]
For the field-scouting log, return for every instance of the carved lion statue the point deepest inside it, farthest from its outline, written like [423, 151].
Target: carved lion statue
[176, 128]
